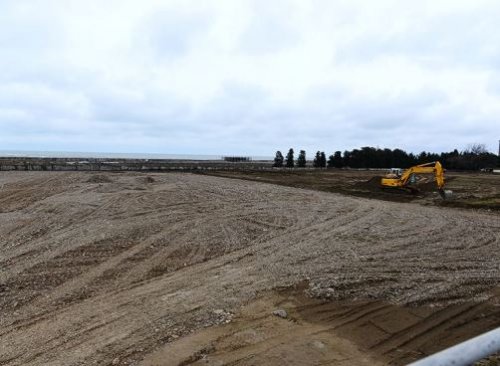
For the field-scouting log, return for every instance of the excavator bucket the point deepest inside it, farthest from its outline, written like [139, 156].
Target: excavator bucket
[446, 194]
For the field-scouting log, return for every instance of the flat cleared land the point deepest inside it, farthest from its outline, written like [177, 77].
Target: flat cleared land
[470, 190]
[184, 269]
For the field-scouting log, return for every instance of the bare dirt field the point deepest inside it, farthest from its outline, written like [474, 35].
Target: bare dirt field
[470, 190]
[184, 269]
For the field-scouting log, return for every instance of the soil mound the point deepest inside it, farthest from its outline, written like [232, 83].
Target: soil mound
[99, 178]
[146, 180]
[424, 184]
[372, 183]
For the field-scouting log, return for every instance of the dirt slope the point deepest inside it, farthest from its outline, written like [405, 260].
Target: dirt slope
[105, 268]
[257, 337]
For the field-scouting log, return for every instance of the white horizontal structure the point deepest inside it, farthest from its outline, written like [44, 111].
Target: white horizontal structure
[466, 353]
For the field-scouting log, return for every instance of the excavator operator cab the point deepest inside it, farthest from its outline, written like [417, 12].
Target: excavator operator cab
[394, 173]
[397, 171]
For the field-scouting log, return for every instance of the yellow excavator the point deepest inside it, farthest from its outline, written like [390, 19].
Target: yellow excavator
[406, 178]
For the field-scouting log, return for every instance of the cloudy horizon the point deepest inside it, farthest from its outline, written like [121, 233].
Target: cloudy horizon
[248, 77]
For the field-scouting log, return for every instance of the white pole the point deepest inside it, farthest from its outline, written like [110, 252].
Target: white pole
[465, 353]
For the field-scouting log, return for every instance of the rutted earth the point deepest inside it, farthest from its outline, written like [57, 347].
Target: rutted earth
[166, 269]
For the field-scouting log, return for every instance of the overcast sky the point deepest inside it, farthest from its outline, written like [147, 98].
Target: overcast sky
[248, 77]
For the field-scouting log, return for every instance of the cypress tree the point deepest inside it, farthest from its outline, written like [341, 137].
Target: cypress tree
[322, 160]
[317, 160]
[289, 159]
[278, 160]
[301, 160]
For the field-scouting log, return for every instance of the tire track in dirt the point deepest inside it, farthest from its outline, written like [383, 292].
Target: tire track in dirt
[106, 274]
[156, 254]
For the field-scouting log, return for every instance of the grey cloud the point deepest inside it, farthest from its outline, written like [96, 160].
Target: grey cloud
[169, 35]
[441, 41]
[269, 31]
[115, 107]
[267, 126]
[48, 103]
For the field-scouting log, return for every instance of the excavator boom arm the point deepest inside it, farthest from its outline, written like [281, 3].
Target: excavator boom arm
[429, 168]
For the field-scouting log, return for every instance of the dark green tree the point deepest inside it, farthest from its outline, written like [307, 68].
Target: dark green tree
[337, 160]
[301, 160]
[278, 159]
[289, 159]
[317, 160]
[474, 157]
[346, 161]
[322, 160]
[331, 162]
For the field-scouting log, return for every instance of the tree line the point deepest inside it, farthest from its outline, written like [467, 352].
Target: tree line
[474, 157]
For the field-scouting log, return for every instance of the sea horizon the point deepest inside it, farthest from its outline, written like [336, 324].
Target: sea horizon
[116, 155]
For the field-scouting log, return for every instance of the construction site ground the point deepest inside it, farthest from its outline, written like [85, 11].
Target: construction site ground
[187, 269]
[470, 189]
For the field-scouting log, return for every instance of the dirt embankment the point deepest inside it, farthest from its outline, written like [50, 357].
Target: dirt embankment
[338, 333]
[108, 269]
